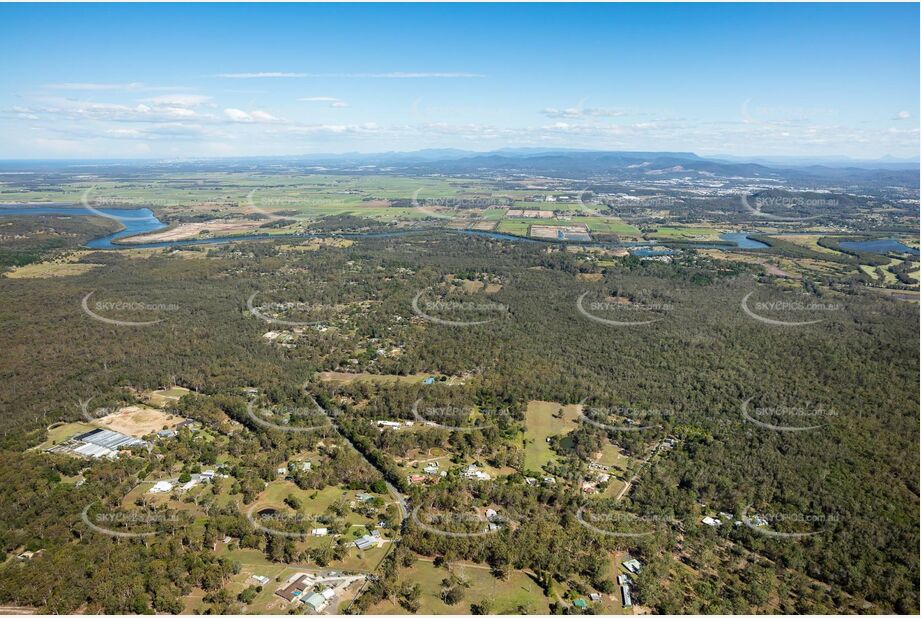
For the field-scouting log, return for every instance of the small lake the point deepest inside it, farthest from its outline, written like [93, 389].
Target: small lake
[878, 245]
[742, 240]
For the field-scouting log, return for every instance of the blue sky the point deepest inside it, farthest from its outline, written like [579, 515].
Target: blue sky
[231, 80]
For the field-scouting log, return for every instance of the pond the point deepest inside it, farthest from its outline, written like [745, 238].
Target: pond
[878, 245]
[742, 240]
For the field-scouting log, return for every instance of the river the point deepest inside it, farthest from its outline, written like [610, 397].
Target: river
[143, 221]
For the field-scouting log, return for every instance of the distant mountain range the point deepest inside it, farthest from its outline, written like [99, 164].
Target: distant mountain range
[562, 163]
[630, 164]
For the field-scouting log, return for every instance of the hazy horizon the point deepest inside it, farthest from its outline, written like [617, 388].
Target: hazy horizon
[166, 81]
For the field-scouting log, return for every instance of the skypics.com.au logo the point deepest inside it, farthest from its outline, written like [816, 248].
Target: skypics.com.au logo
[454, 524]
[771, 417]
[131, 524]
[271, 313]
[622, 418]
[104, 310]
[619, 523]
[292, 419]
[447, 416]
[457, 313]
[621, 311]
[781, 312]
[755, 205]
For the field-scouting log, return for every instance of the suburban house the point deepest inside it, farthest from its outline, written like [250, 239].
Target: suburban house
[316, 601]
[160, 487]
[367, 542]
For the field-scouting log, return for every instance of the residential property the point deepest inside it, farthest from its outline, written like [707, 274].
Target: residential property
[316, 601]
[295, 587]
[262, 580]
[320, 531]
[160, 487]
[709, 521]
[368, 541]
[472, 472]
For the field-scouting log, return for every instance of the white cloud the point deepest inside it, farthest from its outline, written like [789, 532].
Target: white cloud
[123, 132]
[387, 75]
[258, 75]
[903, 115]
[262, 116]
[404, 75]
[333, 101]
[181, 100]
[581, 112]
[238, 115]
[95, 86]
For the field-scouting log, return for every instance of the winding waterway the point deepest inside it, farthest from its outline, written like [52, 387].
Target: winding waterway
[144, 221]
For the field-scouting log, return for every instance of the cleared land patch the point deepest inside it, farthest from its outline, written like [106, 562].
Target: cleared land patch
[138, 421]
[541, 422]
[519, 591]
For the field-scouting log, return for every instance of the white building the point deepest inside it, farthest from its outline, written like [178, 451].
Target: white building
[161, 487]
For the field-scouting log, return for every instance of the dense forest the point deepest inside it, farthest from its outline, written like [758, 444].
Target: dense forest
[698, 362]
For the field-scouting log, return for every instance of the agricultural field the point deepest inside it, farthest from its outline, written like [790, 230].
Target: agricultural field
[697, 234]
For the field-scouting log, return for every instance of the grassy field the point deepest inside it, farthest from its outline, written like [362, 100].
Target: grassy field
[339, 376]
[808, 241]
[47, 270]
[60, 433]
[518, 227]
[610, 225]
[167, 396]
[540, 424]
[506, 596]
[685, 233]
